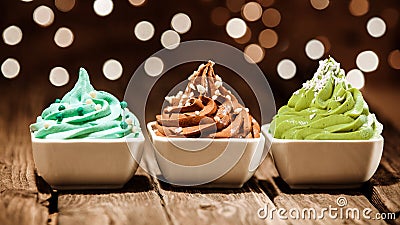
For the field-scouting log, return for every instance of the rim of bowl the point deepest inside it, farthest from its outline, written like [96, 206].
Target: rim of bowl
[91, 140]
[264, 130]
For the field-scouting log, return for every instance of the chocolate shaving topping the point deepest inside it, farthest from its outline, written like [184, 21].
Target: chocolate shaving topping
[206, 109]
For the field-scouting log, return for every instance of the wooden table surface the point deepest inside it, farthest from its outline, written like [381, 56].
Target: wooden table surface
[25, 198]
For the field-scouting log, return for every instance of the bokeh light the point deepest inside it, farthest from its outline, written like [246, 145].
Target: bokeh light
[314, 49]
[376, 27]
[59, 76]
[220, 15]
[63, 37]
[170, 39]
[181, 23]
[12, 35]
[367, 61]
[234, 5]
[10, 68]
[65, 5]
[394, 59]
[43, 16]
[254, 53]
[325, 41]
[271, 17]
[153, 66]
[246, 37]
[319, 4]
[103, 7]
[144, 30]
[358, 7]
[286, 69]
[112, 69]
[268, 38]
[137, 2]
[236, 28]
[356, 78]
[252, 11]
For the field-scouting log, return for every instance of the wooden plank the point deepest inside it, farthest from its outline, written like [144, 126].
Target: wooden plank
[384, 190]
[21, 201]
[298, 200]
[136, 203]
[21, 207]
[186, 205]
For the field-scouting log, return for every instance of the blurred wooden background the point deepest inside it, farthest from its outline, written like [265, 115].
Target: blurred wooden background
[97, 39]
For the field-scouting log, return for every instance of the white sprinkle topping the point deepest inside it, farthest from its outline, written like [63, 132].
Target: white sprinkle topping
[192, 86]
[214, 97]
[89, 101]
[191, 94]
[128, 121]
[216, 118]
[169, 99]
[237, 110]
[228, 97]
[229, 91]
[218, 84]
[217, 92]
[180, 93]
[246, 109]
[253, 120]
[46, 125]
[218, 78]
[328, 69]
[200, 67]
[169, 109]
[201, 89]
[178, 130]
[97, 107]
[180, 104]
[212, 62]
[187, 103]
[184, 96]
[135, 129]
[197, 113]
[93, 94]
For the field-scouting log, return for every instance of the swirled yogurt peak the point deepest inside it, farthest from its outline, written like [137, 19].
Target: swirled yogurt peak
[327, 107]
[206, 109]
[86, 113]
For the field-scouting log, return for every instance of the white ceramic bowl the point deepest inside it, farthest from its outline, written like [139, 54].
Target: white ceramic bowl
[207, 162]
[325, 163]
[87, 163]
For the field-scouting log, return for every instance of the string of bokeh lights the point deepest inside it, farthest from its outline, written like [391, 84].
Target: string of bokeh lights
[260, 11]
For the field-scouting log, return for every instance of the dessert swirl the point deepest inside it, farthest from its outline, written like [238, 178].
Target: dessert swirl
[206, 109]
[86, 113]
[327, 107]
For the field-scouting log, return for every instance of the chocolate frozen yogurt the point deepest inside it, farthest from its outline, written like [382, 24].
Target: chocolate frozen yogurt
[205, 109]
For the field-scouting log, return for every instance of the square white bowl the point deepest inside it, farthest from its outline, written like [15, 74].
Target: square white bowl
[207, 162]
[325, 163]
[87, 163]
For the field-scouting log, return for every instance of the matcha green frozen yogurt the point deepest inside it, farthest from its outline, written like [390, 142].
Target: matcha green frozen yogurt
[327, 107]
[86, 113]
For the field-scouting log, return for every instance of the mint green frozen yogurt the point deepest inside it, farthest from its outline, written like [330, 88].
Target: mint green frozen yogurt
[86, 113]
